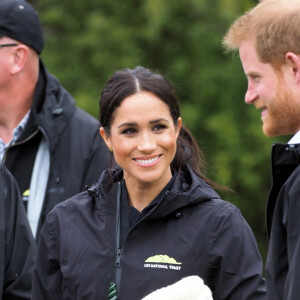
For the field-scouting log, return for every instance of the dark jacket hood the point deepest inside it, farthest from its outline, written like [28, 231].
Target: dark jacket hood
[188, 189]
[52, 108]
[59, 105]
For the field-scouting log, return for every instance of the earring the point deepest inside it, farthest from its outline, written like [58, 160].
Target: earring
[110, 149]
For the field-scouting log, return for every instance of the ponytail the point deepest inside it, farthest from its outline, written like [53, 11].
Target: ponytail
[189, 154]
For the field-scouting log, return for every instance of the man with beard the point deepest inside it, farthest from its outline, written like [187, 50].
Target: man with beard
[268, 40]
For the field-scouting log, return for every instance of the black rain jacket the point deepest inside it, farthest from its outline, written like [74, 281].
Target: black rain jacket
[78, 154]
[191, 231]
[17, 245]
[283, 221]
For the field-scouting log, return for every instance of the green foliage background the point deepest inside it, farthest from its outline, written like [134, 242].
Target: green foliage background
[88, 40]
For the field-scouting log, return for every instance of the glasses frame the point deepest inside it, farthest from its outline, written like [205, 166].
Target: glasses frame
[8, 45]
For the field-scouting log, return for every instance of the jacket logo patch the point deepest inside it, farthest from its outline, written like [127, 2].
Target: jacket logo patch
[162, 262]
[26, 195]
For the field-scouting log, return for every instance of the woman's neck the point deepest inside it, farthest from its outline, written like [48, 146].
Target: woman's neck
[142, 195]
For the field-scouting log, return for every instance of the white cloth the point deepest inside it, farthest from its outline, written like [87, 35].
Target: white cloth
[188, 288]
[295, 139]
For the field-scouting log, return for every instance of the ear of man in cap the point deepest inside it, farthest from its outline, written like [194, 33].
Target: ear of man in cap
[20, 21]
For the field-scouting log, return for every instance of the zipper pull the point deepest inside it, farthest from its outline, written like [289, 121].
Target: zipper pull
[118, 258]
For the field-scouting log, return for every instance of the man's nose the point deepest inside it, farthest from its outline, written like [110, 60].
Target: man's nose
[251, 95]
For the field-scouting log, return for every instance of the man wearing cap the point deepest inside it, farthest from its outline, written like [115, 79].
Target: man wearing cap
[52, 148]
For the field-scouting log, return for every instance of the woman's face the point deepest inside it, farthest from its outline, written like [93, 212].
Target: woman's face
[143, 139]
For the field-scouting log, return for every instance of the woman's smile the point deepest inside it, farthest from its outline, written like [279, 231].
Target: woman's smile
[147, 162]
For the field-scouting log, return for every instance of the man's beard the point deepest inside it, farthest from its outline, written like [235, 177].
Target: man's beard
[283, 113]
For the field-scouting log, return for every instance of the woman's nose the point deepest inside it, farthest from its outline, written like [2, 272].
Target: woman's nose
[146, 142]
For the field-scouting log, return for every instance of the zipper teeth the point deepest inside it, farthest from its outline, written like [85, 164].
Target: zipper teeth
[120, 248]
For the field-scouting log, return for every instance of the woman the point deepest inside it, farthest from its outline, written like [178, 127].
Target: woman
[151, 221]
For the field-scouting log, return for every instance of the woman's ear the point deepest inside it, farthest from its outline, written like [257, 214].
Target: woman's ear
[179, 124]
[293, 61]
[105, 138]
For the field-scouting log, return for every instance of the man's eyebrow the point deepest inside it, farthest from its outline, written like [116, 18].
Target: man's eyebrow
[253, 74]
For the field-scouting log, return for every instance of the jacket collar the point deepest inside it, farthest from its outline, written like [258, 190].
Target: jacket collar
[188, 189]
[285, 159]
[37, 104]
[52, 107]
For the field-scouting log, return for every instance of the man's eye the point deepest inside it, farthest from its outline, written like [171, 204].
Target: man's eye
[255, 78]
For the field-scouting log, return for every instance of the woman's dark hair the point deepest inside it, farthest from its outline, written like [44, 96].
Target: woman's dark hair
[127, 82]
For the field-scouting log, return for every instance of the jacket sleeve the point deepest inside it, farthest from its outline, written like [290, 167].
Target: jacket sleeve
[47, 278]
[20, 247]
[286, 238]
[234, 258]
[291, 285]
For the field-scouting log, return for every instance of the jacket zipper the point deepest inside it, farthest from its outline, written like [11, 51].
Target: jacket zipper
[26, 140]
[20, 143]
[118, 268]
[120, 248]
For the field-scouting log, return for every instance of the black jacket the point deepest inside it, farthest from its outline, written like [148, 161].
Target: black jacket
[191, 231]
[77, 153]
[17, 246]
[283, 221]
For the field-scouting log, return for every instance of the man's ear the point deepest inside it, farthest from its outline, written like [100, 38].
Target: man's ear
[19, 57]
[293, 60]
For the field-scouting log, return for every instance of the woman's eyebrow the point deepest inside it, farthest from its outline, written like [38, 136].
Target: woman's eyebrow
[127, 124]
[132, 124]
[159, 120]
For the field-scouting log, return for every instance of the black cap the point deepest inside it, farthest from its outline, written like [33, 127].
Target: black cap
[20, 21]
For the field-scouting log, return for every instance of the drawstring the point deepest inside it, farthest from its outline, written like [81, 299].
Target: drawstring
[112, 292]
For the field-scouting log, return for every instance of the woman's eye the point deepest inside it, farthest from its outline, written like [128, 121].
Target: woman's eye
[128, 131]
[159, 127]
